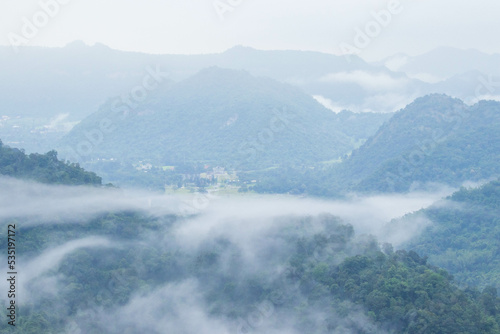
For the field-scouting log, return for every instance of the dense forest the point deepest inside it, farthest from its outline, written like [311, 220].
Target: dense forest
[171, 178]
[131, 270]
[45, 168]
[435, 139]
[299, 274]
[464, 235]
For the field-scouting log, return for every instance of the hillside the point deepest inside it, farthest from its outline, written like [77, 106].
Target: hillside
[96, 257]
[360, 126]
[217, 117]
[305, 274]
[78, 78]
[463, 235]
[409, 127]
[460, 145]
[45, 168]
[68, 84]
[434, 140]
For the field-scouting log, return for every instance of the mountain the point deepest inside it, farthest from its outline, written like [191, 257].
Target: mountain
[407, 128]
[462, 235]
[355, 85]
[217, 117]
[77, 90]
[450, 145]
[78, 78]
[65, 85]
[469, 75]
[96, 257]
[469, 86]
[73, 80]
[435, 139]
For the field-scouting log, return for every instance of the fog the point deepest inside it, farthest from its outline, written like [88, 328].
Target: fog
[35, 203]
[248, 216]
[38, 279]
[250, 234]
[174, 27]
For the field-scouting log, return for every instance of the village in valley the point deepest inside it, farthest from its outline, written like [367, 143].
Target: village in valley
[209, 179]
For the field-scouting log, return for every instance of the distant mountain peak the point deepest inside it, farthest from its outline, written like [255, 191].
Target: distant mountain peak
[434, 99]
[239, 49]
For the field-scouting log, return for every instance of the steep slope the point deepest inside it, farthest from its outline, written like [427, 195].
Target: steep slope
[218, 117]
[407, 129]
[463, 235]
[434, 140]
[463, 144]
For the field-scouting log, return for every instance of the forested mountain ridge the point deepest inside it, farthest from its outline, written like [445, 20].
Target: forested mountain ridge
[78, 78]
[301, 273]
[467, 148]
[464, 235]
[322, 278]
[408, 128]
[434, 140]
[218, 117]
[45, 168]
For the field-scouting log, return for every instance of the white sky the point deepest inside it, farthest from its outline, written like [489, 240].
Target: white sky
[193, 26]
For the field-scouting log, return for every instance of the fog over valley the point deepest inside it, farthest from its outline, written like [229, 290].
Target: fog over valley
[246, 167]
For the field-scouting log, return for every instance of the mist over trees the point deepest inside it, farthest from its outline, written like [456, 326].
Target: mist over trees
[248, 191]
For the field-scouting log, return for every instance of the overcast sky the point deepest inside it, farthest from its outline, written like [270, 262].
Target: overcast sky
[195, 26]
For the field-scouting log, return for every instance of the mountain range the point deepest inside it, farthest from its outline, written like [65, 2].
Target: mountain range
[435, 140]
[221, 117]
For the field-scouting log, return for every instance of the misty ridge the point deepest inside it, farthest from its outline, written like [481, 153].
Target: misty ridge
[266, 256]
[229, 241]
[245, 167]
[234, 203]
[227, 220]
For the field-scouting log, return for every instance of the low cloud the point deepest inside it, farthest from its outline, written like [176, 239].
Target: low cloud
[247, 234]
[39, 277]
[329, 104]
[395, 62]
[369, 81]
[245, 219]
[35, 203]
[174, 308]
[426, 77]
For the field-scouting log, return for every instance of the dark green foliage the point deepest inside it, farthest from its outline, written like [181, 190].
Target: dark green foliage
[464, 237]
[326, 272]
[436, 139]
[453, 143]
[45, 168]
[406, 295]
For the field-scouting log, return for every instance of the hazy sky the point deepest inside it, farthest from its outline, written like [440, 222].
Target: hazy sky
[194, 26]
